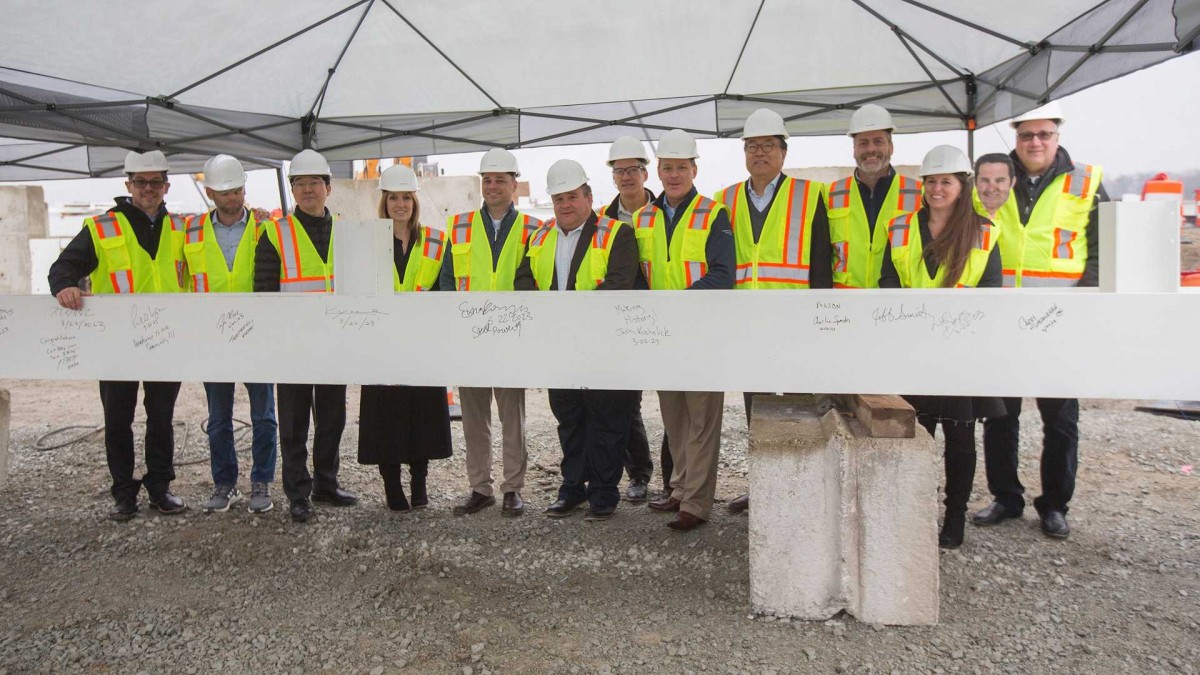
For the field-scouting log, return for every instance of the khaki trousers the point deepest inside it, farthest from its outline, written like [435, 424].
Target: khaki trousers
[477, 429]
[692, 420]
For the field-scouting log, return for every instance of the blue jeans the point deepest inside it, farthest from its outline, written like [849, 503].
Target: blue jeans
[220, 432]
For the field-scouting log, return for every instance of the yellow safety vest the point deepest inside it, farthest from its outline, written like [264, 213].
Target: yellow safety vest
[473, 270]
[209, 271]
[674, 265]
[780, 258]
[125, 267]
[301, 269]
[1050, 249]
[594, 268]
[424, 262]
[857, 249]
[904, 238]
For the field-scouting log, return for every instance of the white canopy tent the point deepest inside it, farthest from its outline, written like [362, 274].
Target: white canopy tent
[381, 78]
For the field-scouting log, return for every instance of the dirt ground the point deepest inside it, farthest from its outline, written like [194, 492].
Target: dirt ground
[363, 590]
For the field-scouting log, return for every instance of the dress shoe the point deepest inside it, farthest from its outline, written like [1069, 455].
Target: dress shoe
[600, 512]
[667, 503]
[636, 492]
[474, 503]
[562, 508]
[420, 496]
[951, 535]
[513, 505]
[1054, 524]
[336, 497]
[167, 503]
[124, 510]
[685, 521]
[738, 504]
[301, 510]
[994, 513]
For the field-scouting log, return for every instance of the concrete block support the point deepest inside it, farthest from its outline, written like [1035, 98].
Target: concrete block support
[5, 418]
[23, 216]
[840, 521]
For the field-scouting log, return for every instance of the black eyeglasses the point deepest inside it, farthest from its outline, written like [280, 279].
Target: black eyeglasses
[767, 147]
[142, 183]
[1043, 136]
[627, 171]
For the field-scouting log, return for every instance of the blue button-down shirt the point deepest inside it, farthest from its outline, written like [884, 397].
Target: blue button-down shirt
[229, 236]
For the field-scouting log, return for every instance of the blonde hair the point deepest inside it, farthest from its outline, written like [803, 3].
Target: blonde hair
[414, 222]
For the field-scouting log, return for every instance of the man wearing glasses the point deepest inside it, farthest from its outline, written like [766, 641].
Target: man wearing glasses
[628, 159]
[136, 247]
[1052, 242]
[780, 230]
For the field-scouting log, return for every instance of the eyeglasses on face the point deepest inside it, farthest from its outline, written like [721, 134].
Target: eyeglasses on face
[142, 183]
[1043, 136]
[627, 171]
[308, 184]
[767, 147]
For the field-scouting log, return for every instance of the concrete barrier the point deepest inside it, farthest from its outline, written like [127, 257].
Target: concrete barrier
[840, 520]
[5, 419]
[23, 216]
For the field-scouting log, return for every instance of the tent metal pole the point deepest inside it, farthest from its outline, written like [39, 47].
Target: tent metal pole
[283, 205]
[971, 145]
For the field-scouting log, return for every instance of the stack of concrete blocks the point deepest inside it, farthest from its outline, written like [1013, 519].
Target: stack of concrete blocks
[23, 216]
[840, 520]
[439, 197]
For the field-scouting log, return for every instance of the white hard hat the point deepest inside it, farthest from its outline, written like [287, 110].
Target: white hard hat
[564, 175]
[398, 178]
[945, 159]
[1050, 111]
[498, 160]
[870, 117]
[764, 122]
[309, 162]
[627, 147]
[224, 172]
[137, 162]
[676, 144]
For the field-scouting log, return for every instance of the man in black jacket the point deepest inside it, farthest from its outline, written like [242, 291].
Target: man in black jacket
[149, 262]
[579, 251]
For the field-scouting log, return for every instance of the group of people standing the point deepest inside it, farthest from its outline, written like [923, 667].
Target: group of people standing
[1025, 219]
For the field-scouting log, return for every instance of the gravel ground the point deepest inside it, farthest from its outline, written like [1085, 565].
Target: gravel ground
[363, 590]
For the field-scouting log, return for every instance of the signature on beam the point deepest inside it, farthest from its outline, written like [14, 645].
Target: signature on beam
[354, 319]
[1043, 322]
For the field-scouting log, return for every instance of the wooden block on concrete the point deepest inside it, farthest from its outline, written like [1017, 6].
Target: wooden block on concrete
[5, 418]
[882, 416]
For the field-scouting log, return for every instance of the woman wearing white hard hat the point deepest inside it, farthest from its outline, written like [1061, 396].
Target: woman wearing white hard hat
[946, 244]
[401, 424]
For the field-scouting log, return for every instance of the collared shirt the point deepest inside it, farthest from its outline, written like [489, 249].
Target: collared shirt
[564, 251]
[229, 236]
[873, 199]
[763, 202]
[626, 216]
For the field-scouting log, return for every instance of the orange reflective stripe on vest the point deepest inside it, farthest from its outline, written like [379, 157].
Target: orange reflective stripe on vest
[839, 193]
[908, 197]
[293, 280]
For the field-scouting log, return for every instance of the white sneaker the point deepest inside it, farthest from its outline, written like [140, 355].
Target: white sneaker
[222, 498]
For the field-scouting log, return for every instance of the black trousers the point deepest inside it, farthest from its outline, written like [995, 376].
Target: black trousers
[119, 400]
[959, 459]
[593, 429]
[638, 464]
[327, 404]
[1060, 454]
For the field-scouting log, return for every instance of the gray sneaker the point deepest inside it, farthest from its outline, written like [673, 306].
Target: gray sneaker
[260, 498]
[222, 498]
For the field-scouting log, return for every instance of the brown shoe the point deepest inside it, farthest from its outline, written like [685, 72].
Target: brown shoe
[739, 504]
[474, 504]
[665, 504]
[513, 505]
[685, 521]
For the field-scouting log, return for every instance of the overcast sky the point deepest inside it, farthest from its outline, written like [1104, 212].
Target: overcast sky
[1146, 121]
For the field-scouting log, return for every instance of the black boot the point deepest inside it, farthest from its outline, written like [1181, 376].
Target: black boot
[393, 487]
[960, 476]
[420, 498]
[951, 535]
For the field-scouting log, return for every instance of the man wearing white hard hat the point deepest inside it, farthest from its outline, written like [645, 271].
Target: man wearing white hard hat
[136, 247]
[296, 256]
[1049, 239]
[486, 247]
[860, 206]
[580, 251]
[628, 159]
[219, 248]
[780, 230]
[684, 242]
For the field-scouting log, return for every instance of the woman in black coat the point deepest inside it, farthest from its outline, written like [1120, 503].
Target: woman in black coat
[401, 424]
[947, 245]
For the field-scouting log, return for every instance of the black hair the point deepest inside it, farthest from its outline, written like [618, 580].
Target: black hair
[996, 158]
